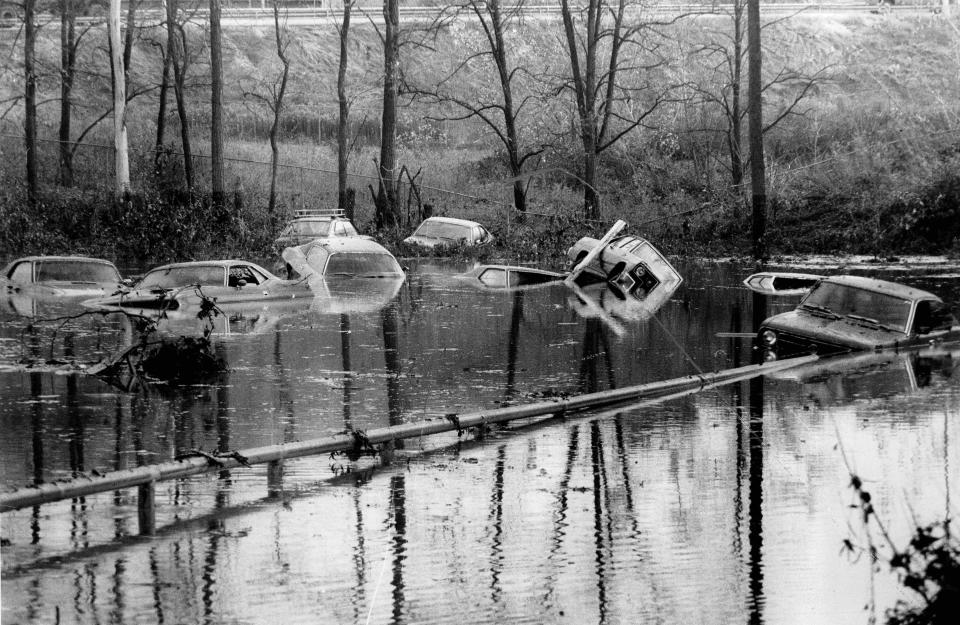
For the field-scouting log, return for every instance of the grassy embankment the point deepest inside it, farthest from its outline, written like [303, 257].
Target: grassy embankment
[869, 167]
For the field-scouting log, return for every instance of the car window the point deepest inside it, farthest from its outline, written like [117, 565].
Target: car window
[75, 271]
[243, 272]
[22, 273]
[493, 277]
[842, 299]
[442, 230]
[932, 316]
[348, 229]
[362, 264]
[314, 228]
[174, 277]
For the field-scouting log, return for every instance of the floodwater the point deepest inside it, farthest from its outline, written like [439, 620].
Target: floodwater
[731, 505]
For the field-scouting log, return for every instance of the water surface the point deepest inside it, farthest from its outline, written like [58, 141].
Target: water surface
[731, 505]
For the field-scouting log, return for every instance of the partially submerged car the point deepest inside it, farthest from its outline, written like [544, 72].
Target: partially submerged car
[308, 225]
[60, 277]
[630, 262]
[852, 313]
[510, 277]
[444, 232]
[781, 282]
[354, 257]
[225, 281]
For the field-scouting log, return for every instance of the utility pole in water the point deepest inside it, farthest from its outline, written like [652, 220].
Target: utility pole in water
[758, 182]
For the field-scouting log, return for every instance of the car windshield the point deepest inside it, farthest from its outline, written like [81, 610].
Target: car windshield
[310, 227]
[842, 299]
[362, 264]
[174, 277]
[442, 230]
[75, 271]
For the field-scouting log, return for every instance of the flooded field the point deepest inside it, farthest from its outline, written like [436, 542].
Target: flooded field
[729, 505]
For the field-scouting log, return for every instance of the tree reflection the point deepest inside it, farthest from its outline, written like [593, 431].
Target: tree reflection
[755, 438]
[398, 509]
[595, 347]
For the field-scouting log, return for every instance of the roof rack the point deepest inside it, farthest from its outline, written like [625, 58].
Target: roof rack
[319, 212]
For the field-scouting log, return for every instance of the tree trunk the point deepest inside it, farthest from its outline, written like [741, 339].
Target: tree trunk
[509, 115]
[30, 99]
[216, 106]
[175, 45]
[121, 160]
[68, 60]
[735, 133]
[344, 118]
[591, 199]
[277, 108]
[585, 87]
[162, 108]
[757, 168]
[388, 211]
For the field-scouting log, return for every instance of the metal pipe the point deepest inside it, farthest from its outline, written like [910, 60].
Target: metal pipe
[80, 487]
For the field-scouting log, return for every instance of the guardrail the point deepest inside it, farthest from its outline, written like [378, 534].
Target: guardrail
[146, 477]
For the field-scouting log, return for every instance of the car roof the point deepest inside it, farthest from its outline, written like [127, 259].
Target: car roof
[319, 218]
[881, 286]
[86, 259]
[201, 263]
[338, 245]
[63, 258]
[453, 220]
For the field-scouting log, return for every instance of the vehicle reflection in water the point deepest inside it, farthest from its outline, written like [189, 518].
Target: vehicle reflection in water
[726, 506]
[36, 328]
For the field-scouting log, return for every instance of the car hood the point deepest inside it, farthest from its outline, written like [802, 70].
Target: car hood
[844, 332]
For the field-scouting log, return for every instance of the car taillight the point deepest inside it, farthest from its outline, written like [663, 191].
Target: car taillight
[768, 338]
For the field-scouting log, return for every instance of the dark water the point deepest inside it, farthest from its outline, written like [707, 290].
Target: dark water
[730, 505]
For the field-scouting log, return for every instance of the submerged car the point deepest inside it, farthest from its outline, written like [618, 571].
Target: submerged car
[632, 263]
[308, 225]
[853, 313]
[443, 232]
[224, 281]
[781, 282]
[509, 277]
[354, 257]
[60, 276]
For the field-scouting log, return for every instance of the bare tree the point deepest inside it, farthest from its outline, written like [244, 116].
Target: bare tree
[388, 208]
[501, 113]
[122, 163]
[271, 94]
[216, 106]
[177, 53]
[30, 99]
[731, 50]
[68, 69]
[597, 37]
[758, 180]
[279, 92]
[343, 150]
[167, 55]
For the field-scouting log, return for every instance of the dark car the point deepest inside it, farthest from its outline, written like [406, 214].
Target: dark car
[854, 313]
[446, 232]
[309, 225]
